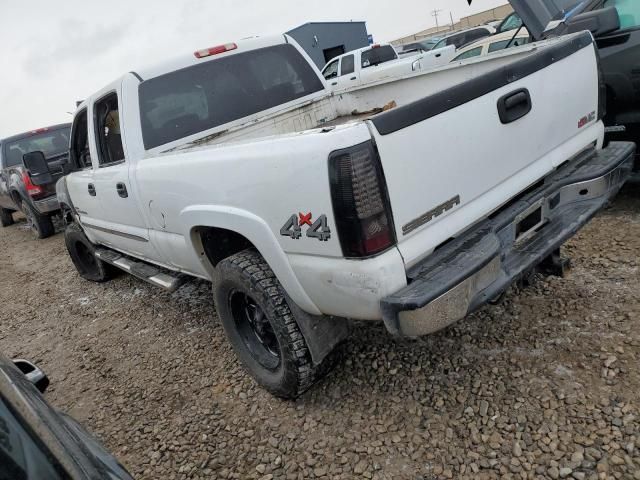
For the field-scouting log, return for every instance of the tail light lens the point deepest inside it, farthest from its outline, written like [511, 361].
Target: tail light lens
[360, 201]
[32, 190]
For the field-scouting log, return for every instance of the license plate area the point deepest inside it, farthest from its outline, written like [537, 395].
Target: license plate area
[529, 222]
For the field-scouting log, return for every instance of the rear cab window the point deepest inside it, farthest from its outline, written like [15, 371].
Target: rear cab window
[376, 56]
[219, 91]
[476, 34]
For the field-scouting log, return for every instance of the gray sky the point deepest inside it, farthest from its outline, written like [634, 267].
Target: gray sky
[55, 53]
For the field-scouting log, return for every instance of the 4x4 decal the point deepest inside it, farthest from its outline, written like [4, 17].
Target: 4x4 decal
[318, 229]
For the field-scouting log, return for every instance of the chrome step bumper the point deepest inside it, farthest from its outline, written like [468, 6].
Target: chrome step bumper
[483, 262]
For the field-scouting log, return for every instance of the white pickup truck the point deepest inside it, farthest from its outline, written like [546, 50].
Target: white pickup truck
[380, 62]
[238, 165]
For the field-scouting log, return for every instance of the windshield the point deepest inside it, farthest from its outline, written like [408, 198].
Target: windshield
[429, 44]
[21, 455]
[210, 94]
[52, 143]
[537, 14]
[378, 55]
[628, 10]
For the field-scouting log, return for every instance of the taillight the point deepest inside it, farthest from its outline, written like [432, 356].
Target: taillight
[360, 201]
[207, 52]
[32, 190]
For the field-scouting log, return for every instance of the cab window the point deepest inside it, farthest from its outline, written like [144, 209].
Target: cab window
[331, 71]
[377, 55]
[441, 44]
[80, 154]
[495, 46]
[22, 457]
[628, 10]
[477, 34]
[469, 54]
[348, 65]
[107, 125]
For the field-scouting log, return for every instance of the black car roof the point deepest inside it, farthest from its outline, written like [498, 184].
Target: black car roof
[31, 133]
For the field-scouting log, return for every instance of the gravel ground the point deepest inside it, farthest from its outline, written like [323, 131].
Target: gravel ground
[543, 385]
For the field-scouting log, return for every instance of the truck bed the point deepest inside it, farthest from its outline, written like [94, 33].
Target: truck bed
[364, 102]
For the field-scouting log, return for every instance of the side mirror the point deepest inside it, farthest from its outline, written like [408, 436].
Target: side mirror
[38, 168]
[34, 375]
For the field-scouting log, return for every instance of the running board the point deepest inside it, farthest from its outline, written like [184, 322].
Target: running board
[142, 270]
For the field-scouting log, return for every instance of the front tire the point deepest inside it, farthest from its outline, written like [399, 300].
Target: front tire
[6, 217]
[261, 327]
[41, 226]
[83, 256]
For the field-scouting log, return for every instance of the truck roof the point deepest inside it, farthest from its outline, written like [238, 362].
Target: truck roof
[31, 133]
[189, 59]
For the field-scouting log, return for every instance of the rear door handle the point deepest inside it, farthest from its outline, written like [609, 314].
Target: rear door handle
[334, 83]
[92, 189]
[121, 188]
[515, 105]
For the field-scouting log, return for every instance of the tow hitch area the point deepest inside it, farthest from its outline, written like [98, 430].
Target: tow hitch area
[530, 221]
[524, 238]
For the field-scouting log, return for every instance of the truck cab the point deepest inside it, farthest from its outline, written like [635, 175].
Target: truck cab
[380, 62]
[18, 190]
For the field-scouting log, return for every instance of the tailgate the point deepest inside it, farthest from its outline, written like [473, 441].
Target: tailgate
[454, 157]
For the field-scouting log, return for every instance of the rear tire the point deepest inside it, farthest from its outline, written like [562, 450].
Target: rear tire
[40, 225]
[6, 217]
[83, 256]
[261, 327]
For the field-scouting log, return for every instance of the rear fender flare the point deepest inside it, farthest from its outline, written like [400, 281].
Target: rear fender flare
[254, 229]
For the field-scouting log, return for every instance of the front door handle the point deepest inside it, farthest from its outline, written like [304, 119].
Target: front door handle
[354, 78]
[121, 188]
[334, 83]
[92, 189]
[515, 105]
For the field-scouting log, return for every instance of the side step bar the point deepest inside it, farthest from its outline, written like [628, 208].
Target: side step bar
[142, 270]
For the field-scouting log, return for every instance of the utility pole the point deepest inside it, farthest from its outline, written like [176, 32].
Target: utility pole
[435, 14]
[451, 15]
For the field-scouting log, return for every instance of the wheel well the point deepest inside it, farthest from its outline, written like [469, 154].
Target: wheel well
[17, 199]
[219, 243]
[66, 214]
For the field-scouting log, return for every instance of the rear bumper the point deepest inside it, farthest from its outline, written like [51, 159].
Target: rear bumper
[480, 264]
[47, 205]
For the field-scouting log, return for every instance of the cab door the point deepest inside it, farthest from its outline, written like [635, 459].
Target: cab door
[81, 182]
[348, 75]
[122, 224]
